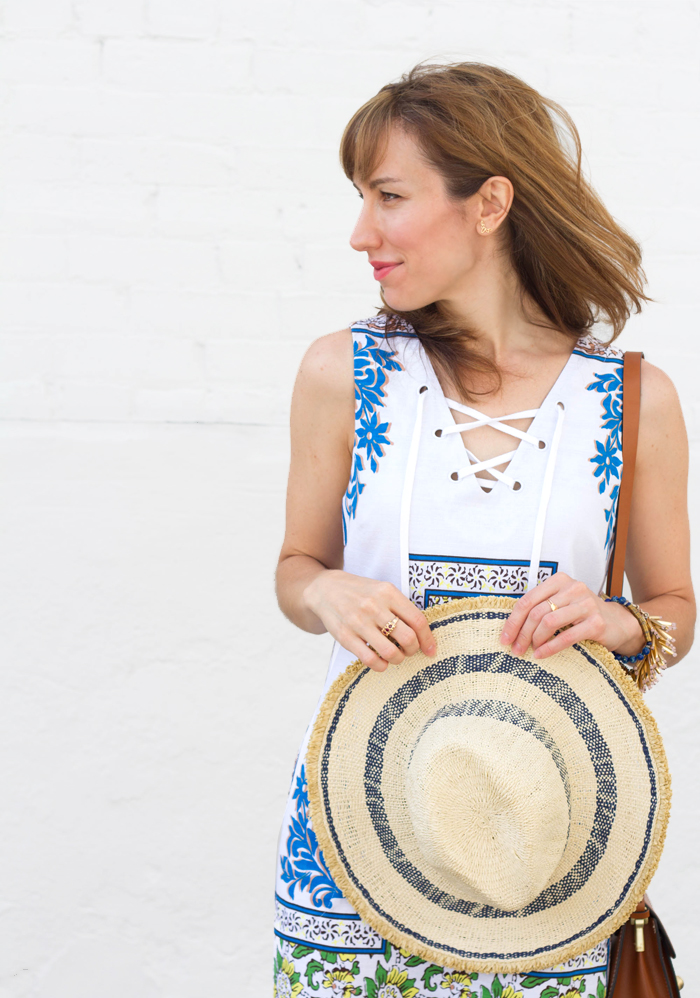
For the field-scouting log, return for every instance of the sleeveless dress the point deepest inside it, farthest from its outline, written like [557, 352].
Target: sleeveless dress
[414, 514]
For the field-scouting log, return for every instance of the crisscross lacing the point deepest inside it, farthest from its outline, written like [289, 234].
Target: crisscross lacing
[498, 422]
[480, 420]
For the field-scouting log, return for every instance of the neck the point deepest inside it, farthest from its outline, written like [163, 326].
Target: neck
[503, 320]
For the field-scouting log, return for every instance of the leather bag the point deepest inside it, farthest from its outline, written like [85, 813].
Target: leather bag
[640, 958]
[640, 950]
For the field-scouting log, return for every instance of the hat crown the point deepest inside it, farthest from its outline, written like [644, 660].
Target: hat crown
[488, 807]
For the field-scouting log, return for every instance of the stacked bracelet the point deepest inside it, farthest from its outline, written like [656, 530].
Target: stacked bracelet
[650, 661]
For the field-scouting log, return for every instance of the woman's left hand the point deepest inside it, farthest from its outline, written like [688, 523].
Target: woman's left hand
[578, 609]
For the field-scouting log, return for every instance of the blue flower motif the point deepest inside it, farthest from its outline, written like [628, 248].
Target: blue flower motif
[371, 364]
[371, 438]
[606, 462]
[304, 865]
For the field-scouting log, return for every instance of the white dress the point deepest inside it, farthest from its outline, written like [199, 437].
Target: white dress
[414, 514]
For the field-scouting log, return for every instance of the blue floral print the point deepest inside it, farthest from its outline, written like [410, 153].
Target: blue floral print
[607, 459]
[371, 364]
[371, 438]
[304, 865]
[607, 463]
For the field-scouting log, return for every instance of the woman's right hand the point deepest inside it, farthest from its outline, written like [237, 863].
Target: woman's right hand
[354, 609]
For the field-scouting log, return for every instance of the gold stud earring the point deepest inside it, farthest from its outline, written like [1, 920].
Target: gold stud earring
[483, 227]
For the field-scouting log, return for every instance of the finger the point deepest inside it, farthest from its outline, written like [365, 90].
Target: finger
[372, 659]
[360, 649]
[565, 639]
[406, 638]
[522, 640]
[415, 619]
[563, 616]
[544, 591]
[385, 647]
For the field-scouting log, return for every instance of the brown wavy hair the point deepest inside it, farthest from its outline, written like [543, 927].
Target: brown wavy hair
[474, 121]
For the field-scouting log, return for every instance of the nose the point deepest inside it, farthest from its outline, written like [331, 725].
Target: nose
[365, 235]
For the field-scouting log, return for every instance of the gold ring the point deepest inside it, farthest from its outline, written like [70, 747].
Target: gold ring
[553, 606]
[388, 628]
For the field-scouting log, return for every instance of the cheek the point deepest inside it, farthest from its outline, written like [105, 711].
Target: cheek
[452, 240]
[436, 242]
[407, 231]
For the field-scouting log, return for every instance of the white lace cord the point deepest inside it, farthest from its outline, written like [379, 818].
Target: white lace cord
[471, 469]
[489, 465]
[481, 420]
[407, 492]
[544, 501]
[500, 475]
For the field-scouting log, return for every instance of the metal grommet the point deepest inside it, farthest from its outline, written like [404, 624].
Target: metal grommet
[454, 476]
[517, 487]
[423, 389]
[438, 433]
[542, 444]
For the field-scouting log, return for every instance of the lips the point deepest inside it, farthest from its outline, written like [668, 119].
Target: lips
[382, 268]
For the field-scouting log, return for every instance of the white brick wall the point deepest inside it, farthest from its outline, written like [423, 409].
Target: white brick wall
[174, 232]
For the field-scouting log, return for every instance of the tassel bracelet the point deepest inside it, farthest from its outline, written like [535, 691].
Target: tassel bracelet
[646, 666]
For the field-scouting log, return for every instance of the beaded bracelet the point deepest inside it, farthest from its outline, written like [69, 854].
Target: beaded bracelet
[629, 659]
[657, 641]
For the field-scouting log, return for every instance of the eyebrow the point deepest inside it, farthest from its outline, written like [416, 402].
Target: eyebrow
[380, 180]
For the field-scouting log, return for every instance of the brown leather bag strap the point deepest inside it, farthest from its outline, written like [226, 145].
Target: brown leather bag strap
[631, 394]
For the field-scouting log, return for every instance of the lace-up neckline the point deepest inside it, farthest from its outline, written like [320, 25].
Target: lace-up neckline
[499, 423]
[502, 478]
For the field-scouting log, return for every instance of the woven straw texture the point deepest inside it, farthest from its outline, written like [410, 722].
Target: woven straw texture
[489, 811]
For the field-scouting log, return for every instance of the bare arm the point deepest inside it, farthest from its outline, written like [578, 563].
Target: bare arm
[658, 549]
[322, 427]
[313, 591]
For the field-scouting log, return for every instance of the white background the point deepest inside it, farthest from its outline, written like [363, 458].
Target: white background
[174, 233]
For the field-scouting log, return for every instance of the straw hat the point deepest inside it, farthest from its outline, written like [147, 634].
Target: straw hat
[484, 810]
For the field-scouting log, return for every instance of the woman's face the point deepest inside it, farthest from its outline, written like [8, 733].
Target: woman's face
[432, 245]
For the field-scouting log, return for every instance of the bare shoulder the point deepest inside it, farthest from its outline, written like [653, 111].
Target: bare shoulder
[323, 402]
[326, 369]
[659, 395]
[661, 422]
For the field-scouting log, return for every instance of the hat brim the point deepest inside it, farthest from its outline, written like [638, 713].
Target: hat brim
[612, 752]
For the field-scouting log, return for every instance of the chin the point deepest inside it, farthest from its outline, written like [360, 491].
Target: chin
[405, 301]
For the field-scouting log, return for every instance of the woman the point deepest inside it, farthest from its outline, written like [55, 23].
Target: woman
[472, 445]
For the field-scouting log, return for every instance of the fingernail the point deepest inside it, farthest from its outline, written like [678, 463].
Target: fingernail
[432, 649]
[505, 637]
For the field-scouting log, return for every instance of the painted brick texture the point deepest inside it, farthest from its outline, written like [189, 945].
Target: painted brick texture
[174, 233]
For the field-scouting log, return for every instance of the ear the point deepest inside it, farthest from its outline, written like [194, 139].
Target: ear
[496, 198]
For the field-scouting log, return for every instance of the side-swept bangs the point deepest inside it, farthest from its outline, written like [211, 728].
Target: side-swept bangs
[365, 139]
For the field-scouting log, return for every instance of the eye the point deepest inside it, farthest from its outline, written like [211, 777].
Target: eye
[386, 194]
